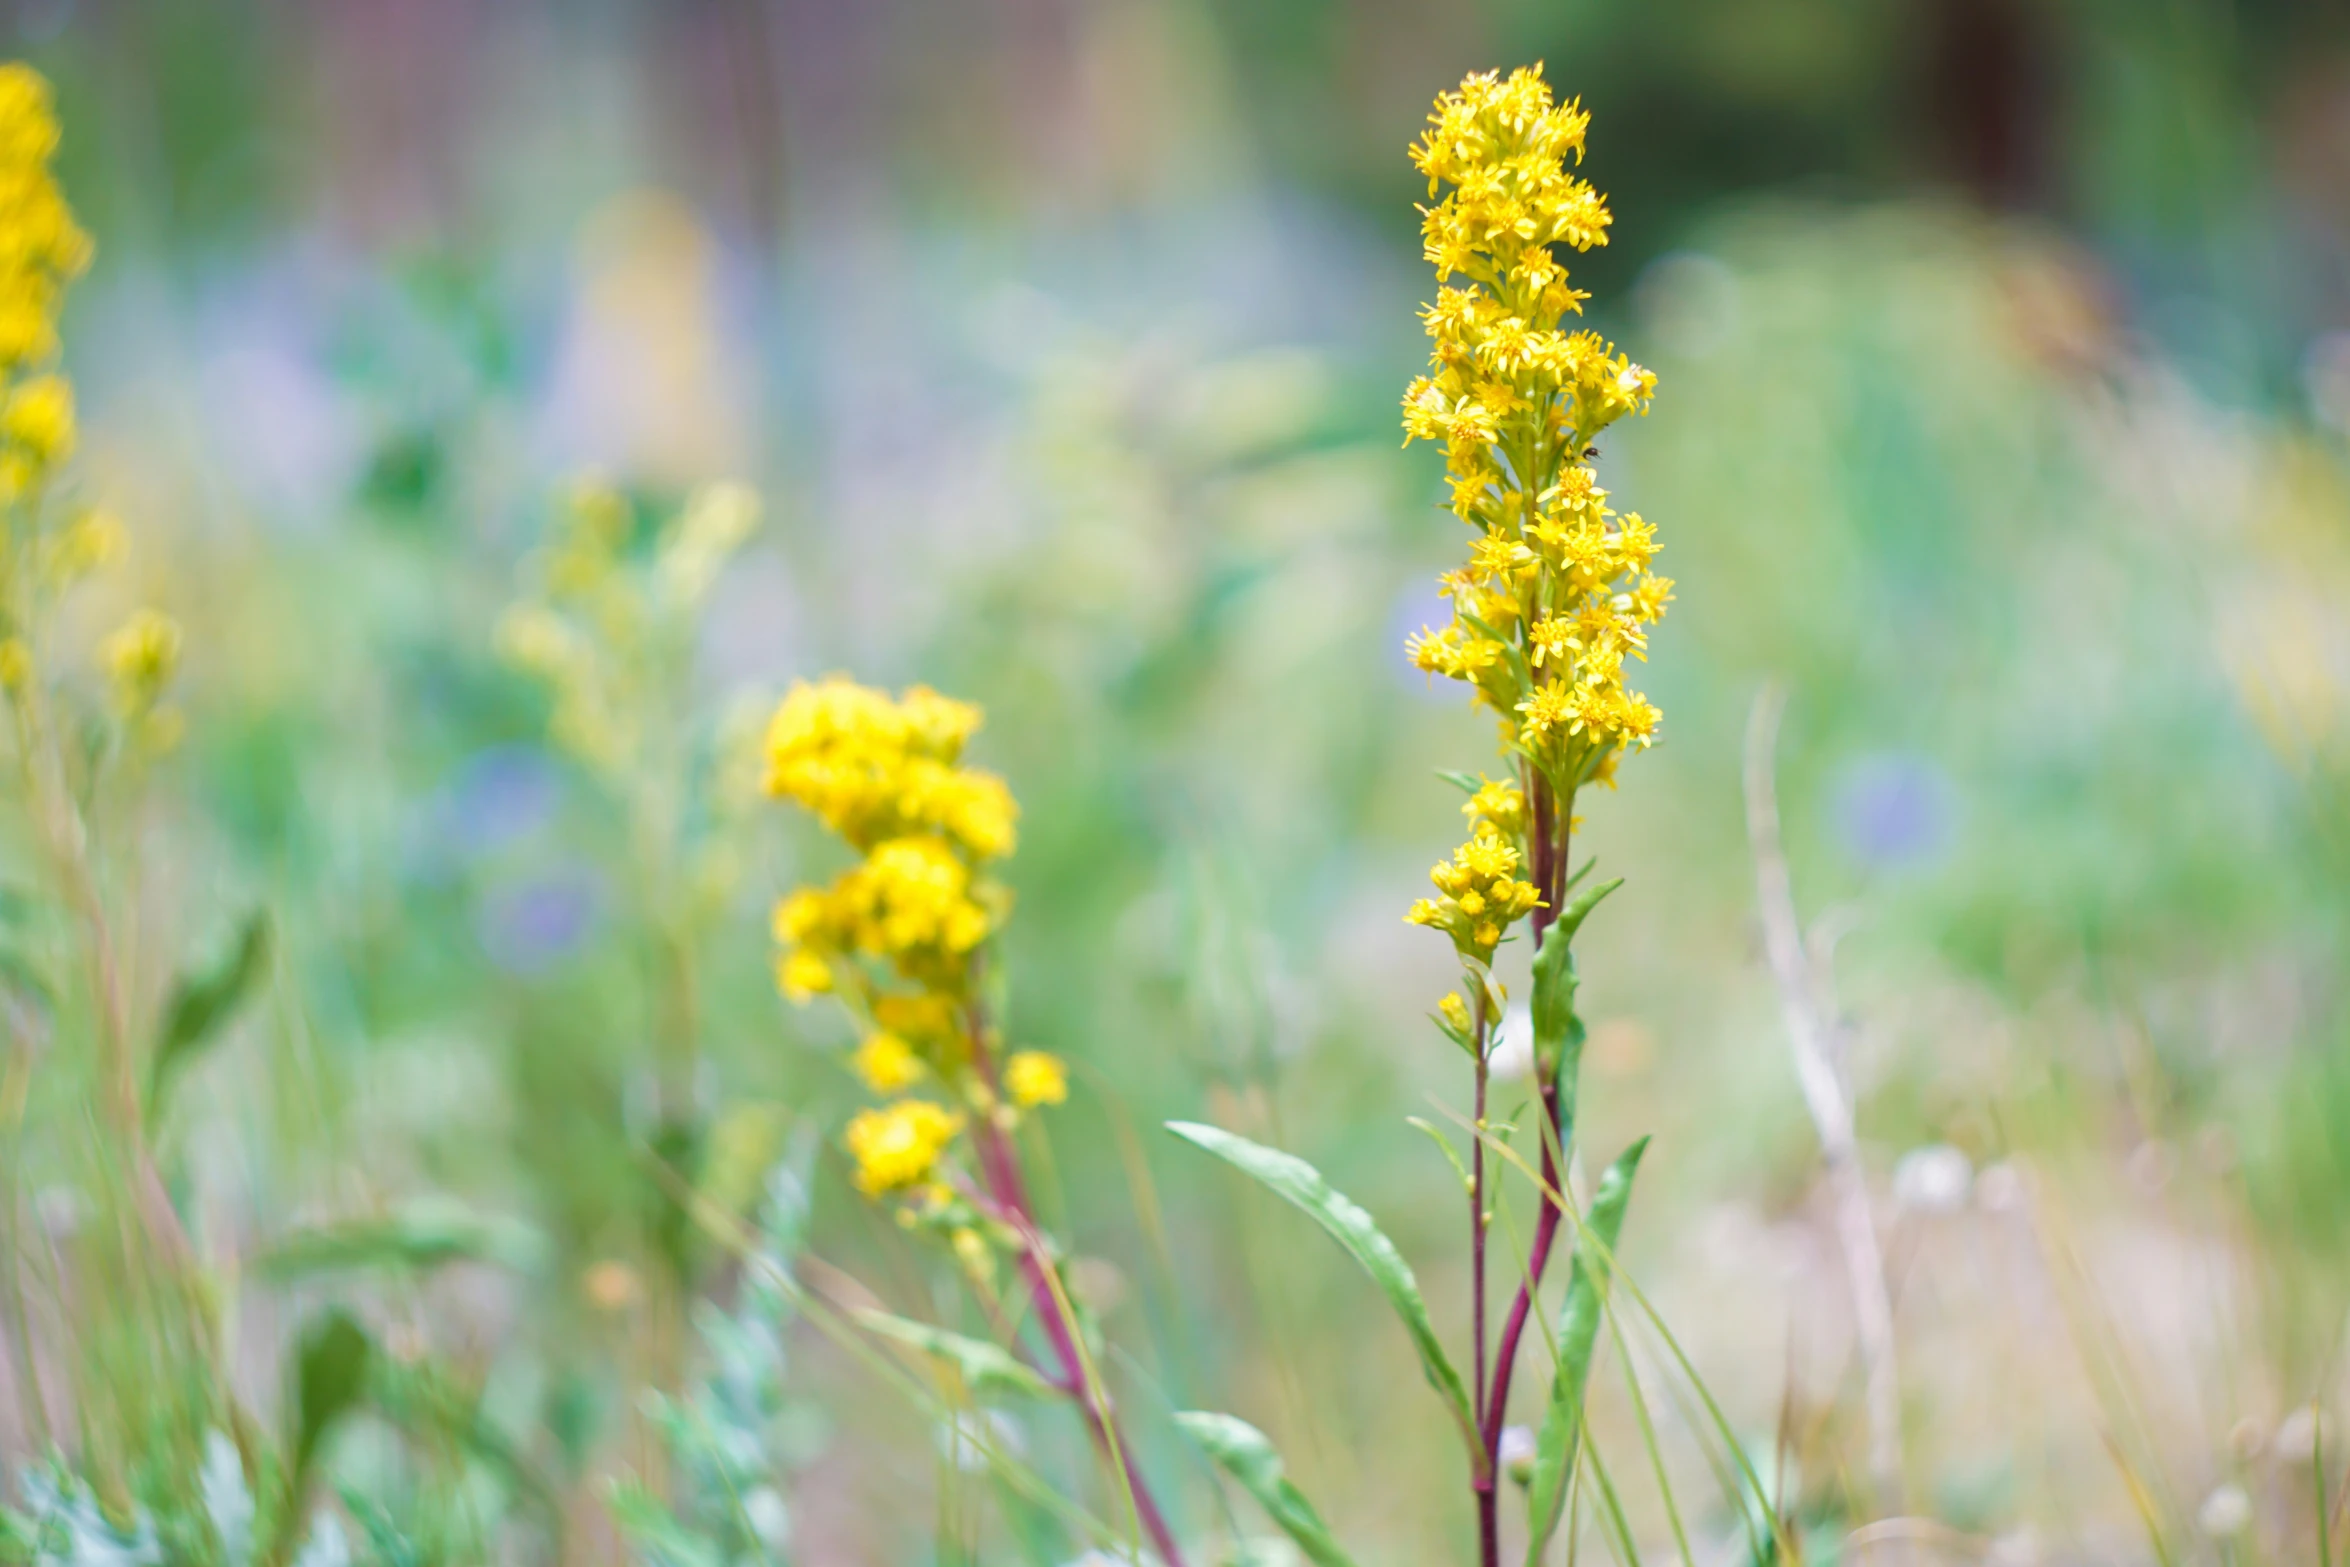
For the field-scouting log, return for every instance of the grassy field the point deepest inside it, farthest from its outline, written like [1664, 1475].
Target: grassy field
[485, 421]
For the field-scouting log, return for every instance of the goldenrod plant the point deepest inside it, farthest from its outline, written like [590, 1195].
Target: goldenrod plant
[903, 939]
[78, 747]
[1557, 596]
[159, 1460]
[609, 624]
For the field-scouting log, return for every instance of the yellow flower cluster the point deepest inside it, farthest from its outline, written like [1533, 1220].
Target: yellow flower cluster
[1557, 592]
[897, 935]
[886, 775]
[49, 549]
[41, 247]
[607, 622]
[1034, 1078]
[897, 1147]
[874, 769]
[1482, 894]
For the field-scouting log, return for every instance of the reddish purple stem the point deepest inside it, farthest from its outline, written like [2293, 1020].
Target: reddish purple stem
[1548, 825]
[1001, 1168]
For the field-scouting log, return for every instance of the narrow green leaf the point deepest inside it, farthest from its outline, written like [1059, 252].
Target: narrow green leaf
[1466, 783]
[1579, 907]
[1302, 1184]
[1244, 1453]
[1578, 1331]
[984, 1368]
[202, 1002]
[423, 1237]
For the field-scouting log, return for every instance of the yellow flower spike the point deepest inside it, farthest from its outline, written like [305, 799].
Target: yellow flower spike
[1033, 1078]
[1515, 397]
[898, 1146]
[887, 1063]
[16, 663]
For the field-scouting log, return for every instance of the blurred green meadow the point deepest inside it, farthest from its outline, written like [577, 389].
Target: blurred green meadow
[2004, 391]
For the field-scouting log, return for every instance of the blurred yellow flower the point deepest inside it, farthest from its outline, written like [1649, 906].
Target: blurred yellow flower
[140, 657]
[92, 541]
[887, 1063]
[871, 768]
[1034, 1078]
[38, 419]
[803, 976]
[886, 774]
[41, 247]
[898, 1145]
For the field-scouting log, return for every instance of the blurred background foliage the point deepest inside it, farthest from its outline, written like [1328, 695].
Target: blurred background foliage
[2005, 379]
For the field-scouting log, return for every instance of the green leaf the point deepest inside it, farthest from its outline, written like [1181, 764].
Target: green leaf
[424, 1236]
[1579, 1319]
[1302, 1184]
[1557, 1031]
[985, 1368]
[330, 1377]
[1466, 783]
[1243, 1452]
[202, 1002]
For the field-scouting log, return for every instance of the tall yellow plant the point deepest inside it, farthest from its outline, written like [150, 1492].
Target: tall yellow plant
[903, 939]
[1554, 602]
[147, 1366]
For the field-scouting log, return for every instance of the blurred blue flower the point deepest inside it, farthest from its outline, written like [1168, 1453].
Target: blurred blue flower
[529, 927]
[500, 796]
[1895, 810]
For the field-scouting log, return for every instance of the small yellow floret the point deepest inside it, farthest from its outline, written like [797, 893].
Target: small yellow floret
[1033, 1078]
[802, 975]
[898, 1145]
[887, 1063]
[140, 657]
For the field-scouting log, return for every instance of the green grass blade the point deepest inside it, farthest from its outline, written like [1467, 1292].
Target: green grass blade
[1292, 1178]
[202, 1003]
[1656, 1457]
[1247, 1455]
[1579, 1319]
